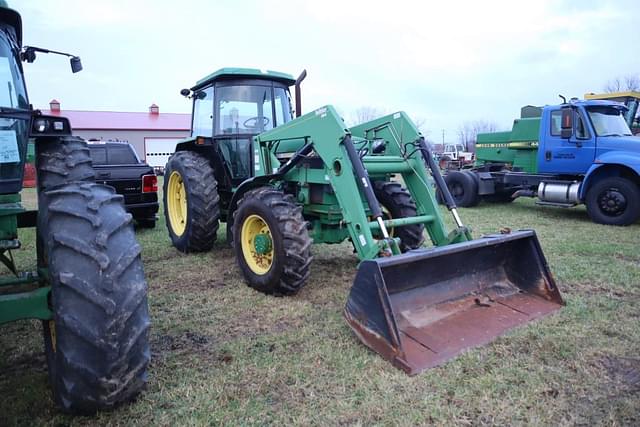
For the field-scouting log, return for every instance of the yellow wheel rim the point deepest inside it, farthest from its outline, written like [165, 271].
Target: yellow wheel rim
[257, 244]
[177, 203]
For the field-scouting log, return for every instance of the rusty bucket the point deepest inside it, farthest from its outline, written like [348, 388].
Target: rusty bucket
[424, 307]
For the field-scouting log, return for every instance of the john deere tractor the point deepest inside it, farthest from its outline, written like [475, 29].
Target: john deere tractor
[88, 289]
[280, 183]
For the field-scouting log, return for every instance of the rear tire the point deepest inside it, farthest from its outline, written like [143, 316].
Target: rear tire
[193, 224]
[463, 188]
[614, 201]
[399, 204]
[284, 269]
[96, 345]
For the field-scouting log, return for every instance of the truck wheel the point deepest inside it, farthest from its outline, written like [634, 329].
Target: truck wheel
[463, 188]
[398, 203]
[96, 345]
[62, 160]
[271, 241]
[191, 202]
[614, 201]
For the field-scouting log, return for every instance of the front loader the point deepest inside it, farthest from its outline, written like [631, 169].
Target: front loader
[280, 183]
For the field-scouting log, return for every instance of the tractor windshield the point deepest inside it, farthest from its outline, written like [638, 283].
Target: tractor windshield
[246, 109]
[607, 121]
[13, 131]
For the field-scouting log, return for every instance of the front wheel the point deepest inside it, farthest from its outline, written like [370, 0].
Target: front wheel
[96, 344]
[271, 241]
[614, 201]
[398, 203]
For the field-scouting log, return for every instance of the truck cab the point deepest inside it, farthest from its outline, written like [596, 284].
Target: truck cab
[578, 152]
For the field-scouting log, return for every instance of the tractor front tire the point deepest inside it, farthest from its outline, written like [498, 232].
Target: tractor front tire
[62, 160]
[463, 188]
[271, 241]
[614, 201]
[399, 204]
[191, 202]
[96, 345]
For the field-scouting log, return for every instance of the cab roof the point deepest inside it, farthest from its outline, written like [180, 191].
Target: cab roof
[255, 73]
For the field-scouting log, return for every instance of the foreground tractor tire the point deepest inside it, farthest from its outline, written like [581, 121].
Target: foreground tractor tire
[271, 241]
[614, 201]
[96, 345]
[191, 202]
[398, 203]
[63, 160]
[463, 188]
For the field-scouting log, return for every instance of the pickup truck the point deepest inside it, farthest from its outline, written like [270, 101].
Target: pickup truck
[117, 164]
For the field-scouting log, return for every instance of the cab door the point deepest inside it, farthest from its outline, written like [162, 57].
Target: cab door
[566, 154]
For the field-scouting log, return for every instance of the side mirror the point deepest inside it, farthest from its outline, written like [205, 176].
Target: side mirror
[185, 92]
[566, 127]
[76, 64]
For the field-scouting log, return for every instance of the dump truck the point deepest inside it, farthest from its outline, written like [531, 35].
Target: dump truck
[280, 183]
[87, 284]
[577, 152]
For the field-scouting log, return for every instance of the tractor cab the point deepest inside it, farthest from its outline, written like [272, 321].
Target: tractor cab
[14, 106]
[232, 105]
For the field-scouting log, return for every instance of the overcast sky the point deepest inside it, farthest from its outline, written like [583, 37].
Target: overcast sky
[444, 62]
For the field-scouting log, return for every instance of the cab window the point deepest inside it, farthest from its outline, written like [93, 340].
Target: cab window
[556, 122]
[203, 112]
[244, 109]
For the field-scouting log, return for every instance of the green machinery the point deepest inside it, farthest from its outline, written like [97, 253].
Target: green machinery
[280, 183]
[88, 287]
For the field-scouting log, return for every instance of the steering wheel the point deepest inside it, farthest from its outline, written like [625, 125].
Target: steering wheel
[252, 122]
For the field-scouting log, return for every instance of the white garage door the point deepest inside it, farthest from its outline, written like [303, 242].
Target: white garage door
[158, 150]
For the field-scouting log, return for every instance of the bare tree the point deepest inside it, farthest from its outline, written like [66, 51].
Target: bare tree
[364, 114]
[629, 82]
[468, 132]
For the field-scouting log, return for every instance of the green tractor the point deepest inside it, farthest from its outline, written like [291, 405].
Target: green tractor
[89, 289]
[280, 183]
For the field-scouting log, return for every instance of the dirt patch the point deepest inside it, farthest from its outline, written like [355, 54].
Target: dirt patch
[624, 371]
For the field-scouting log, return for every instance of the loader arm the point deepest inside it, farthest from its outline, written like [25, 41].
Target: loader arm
[326, 131]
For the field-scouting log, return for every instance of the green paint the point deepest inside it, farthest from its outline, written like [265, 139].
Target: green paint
[518, 147]
[330, 195]
[246, 72]
[25, 305]
[262, 244]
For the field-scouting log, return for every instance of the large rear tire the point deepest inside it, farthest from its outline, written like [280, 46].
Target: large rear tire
[96, 344]
[463, 188]
[191, 202]
[398, 203]
[271, 241]
[62, 160]
[614, 201]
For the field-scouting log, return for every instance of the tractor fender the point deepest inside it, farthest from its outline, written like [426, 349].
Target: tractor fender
[249, 184]
[619, 163]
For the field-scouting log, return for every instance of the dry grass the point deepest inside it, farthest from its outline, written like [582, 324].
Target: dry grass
[225, 354]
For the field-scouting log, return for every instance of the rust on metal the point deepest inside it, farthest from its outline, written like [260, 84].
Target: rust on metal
[425, 307]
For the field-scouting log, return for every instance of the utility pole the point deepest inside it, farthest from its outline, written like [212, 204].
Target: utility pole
[443, 137]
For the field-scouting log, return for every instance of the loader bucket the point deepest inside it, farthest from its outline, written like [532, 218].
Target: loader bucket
[424, 307]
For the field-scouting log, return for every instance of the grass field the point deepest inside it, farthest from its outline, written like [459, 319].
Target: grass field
[225, 354]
